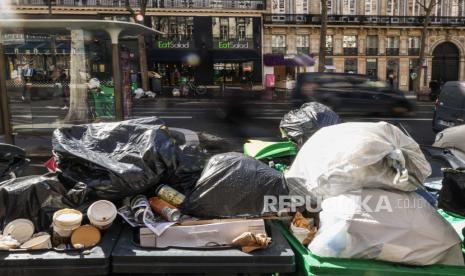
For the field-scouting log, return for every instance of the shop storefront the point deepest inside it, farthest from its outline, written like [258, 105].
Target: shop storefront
[224, 50]
[286, 67]
[63, 72]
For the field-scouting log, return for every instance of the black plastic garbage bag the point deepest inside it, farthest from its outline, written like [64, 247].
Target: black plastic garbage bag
[452, 194]
[116, 160]
[189, 163]
[12, 160]
[35, 198]
[233, 185]
[300, 124]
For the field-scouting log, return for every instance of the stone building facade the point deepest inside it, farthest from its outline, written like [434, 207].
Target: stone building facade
[377, 38]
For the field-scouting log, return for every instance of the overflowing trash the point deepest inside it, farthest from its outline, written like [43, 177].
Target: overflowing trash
[174, 195]
[300, 124]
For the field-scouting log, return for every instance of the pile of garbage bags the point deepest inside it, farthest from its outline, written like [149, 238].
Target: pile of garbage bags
[366, 175]
[127, 158]
[102, 161]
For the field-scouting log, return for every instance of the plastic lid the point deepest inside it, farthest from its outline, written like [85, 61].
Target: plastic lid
[85, 236]
[67, 217]
[102, 210]
[37, 241]
[20, 229]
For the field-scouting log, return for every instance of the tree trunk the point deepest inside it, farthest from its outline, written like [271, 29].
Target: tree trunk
[143, 63]
[78, 108]
[424, 34]
[322, 53]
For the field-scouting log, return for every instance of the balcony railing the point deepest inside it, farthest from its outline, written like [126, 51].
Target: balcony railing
[350, 51]
[392, 51]
[413, 51]
[371, 51]
[306, 19]
[279, 50]
[187, 4]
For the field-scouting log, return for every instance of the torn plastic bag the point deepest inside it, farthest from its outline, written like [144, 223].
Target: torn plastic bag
[233, 185]
[120, 159]
[351, 156]
[300, 124]
[12, 160]
[385, 225]
[36, 198]
[452, 194]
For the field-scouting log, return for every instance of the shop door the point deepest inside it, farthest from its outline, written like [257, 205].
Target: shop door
[445, 62]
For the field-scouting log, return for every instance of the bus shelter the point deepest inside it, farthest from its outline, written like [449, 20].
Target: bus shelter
[62, 72]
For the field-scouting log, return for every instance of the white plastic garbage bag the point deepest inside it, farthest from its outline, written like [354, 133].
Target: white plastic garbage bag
[452, 138]
[385, 225]
[351, 156]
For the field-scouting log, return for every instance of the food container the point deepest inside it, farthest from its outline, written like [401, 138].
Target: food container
[85, 236]
[101, 214]
[40, 242]
[65, 221]
[19, 229]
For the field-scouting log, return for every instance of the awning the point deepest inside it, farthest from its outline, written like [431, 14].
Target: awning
[290, 60]
[235, 55]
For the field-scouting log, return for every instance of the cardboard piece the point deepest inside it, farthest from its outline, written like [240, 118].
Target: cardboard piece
[207, 235]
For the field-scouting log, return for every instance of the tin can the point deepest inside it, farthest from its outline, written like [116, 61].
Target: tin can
[166, 210]
[170, 195]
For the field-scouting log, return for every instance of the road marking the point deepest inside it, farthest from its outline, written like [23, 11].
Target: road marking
[167, 117]
[351, 119]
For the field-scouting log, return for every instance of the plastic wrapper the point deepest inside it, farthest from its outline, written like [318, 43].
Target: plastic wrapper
[233, 185]
[351, 156]
[127, 158]
[384, 225]
[300, 124]
[35, 198]
[452, 194]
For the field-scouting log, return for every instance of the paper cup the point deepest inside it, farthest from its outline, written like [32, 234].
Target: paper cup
[101, 214]
[65, 221]
[19, 229]
[41, 242]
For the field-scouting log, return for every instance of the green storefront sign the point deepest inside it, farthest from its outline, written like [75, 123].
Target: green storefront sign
[163, 44]
[233, 45]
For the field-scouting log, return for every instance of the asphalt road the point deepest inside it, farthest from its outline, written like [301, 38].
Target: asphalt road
[247, 119]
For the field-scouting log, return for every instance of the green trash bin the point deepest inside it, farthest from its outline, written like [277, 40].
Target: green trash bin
[260, 149]
[103, 102]
[309, 264]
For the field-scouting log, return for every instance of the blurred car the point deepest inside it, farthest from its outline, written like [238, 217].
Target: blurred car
[450, 106]
[351, 93]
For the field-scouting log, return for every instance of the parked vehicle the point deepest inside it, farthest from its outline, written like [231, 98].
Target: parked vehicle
[450, 107]
[351, 93]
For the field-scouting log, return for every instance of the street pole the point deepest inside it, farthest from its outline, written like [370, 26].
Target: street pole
[117, 82]
[4, 101]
